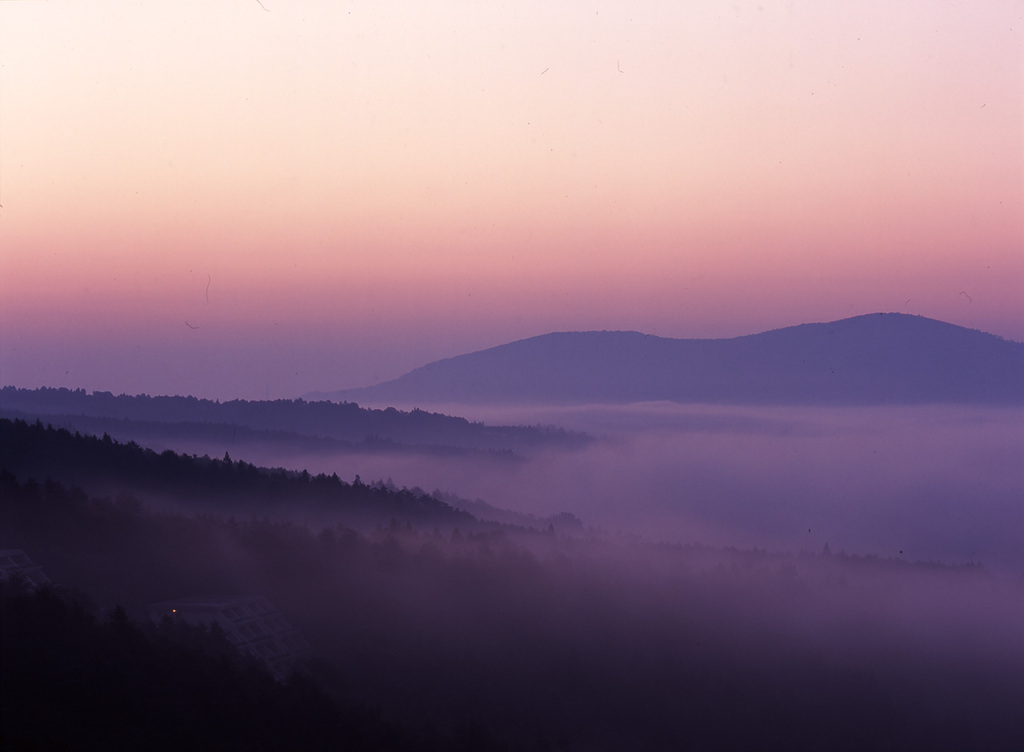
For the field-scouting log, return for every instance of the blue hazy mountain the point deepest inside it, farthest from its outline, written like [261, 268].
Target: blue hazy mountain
[881, 358]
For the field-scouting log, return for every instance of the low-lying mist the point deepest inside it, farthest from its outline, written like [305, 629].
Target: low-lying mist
[938, 483]
[630, 634]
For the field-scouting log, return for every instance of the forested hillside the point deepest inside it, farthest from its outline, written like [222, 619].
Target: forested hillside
[323, 425]
[202, 484]
[74, 679]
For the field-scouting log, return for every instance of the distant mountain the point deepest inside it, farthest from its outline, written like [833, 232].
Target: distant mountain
[882, 358]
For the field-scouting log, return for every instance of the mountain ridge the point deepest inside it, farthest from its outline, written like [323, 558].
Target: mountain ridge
[879, 358]
[323, 425]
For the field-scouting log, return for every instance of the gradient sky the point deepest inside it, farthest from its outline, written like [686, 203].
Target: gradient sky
[208, 197]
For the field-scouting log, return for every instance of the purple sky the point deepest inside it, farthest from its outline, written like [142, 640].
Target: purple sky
[209, 198]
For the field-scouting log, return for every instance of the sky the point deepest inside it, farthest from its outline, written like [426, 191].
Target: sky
[235, 199]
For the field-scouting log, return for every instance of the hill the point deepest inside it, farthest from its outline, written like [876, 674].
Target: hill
[201, 484]
[312, 426]
[883, 358]
[226, 486]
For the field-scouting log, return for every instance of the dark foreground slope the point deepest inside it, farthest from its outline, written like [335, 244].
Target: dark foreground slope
[884, 358]
[74, 680]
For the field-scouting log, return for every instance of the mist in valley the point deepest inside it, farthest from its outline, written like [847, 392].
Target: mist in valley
[868, 558]
[741, 578]
[936, 483]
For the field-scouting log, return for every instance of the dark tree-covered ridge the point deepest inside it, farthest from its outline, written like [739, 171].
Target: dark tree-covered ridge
[345, 421]
[212, 485]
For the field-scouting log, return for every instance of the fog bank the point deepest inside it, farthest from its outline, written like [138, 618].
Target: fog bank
[933, 483]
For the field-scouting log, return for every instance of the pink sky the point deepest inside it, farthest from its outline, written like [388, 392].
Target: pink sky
[333, 193]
